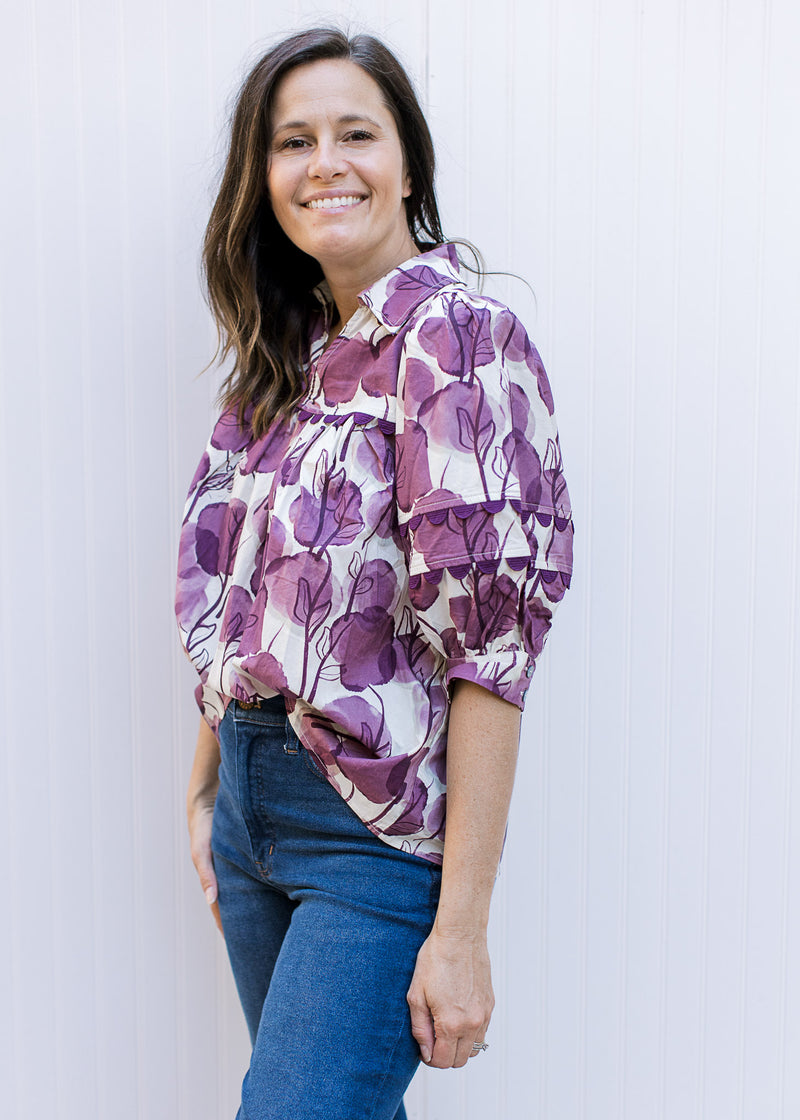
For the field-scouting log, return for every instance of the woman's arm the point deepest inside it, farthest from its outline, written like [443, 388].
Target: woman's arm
[451, 997]
[200, 798]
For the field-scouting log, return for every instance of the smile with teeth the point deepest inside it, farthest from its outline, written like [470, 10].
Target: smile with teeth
[329, 203]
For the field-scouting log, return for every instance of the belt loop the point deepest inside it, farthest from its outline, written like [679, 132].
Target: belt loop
[292, 744]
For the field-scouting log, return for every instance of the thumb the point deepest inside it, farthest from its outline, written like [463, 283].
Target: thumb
[209, 884]
[204, 866]
[208, 881]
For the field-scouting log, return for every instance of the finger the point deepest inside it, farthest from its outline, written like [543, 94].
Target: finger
[463, 1052]
[473, 1053]
[444, 1051]
[479, 1037]
[421, 1023]
[208, 880]
[204, 865]
[459, 1050]
[217, 917]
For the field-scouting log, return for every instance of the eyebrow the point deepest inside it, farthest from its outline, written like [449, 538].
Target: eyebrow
[349, 118]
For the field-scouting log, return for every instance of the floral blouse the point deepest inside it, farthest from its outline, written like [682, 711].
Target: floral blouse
[408, 525]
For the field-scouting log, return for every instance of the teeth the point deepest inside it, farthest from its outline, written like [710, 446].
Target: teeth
[328, 203]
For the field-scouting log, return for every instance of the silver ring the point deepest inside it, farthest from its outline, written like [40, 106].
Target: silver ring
[478, 1046]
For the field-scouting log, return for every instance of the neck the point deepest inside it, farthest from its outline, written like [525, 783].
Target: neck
[347, 282]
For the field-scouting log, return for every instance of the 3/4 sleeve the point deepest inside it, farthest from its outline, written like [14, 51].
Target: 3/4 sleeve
[482, 505]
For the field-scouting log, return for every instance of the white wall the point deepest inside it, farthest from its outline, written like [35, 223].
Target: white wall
[637, 162]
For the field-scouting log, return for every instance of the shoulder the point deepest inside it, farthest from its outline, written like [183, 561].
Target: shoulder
[229, 434]
[460, 334]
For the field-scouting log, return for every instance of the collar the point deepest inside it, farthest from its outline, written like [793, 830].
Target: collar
[394, 298]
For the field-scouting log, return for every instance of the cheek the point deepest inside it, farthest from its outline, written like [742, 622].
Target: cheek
[278, 193]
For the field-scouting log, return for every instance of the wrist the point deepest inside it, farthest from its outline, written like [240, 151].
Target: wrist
[202, 796]
[461, 927]
[464, 901]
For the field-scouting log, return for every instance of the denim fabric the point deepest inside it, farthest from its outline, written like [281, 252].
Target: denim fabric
[323, 922]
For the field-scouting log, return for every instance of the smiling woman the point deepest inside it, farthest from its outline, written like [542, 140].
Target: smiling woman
[373, 547]
[337, 178]
[259, 281]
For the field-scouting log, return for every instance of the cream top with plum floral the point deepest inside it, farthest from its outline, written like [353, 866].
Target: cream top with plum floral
[408, 526]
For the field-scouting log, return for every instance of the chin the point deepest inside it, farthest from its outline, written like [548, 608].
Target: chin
[334, 250]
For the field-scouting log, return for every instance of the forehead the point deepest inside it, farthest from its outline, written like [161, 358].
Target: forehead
[329, 87]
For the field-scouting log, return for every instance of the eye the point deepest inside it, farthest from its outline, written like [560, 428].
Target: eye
[293, 143]
[359, 135]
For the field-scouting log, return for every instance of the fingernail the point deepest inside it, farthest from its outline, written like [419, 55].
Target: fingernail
[211, 896]
[425, 1052]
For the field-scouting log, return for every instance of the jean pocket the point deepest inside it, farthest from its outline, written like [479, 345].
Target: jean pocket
[313, 764]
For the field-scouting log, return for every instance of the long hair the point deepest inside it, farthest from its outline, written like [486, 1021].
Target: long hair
[259, 283]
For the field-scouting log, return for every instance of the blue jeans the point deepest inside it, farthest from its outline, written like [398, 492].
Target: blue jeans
[323, 922]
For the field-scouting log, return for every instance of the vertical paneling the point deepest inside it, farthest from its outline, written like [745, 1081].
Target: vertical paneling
[31, 914]
[774, 466]
[188, 114]
[633, 162]
[62, 306]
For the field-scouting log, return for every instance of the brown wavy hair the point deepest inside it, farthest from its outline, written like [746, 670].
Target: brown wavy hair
[259, 283]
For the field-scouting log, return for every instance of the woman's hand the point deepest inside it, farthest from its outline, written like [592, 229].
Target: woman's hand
[450, 998]
[200, 798]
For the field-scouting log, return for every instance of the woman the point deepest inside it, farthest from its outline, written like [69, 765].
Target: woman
[373, 546]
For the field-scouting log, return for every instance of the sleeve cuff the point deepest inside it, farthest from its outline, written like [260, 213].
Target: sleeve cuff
[506, 674]
[212, 706]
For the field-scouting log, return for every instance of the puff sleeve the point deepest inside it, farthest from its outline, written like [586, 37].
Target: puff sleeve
[482, 505]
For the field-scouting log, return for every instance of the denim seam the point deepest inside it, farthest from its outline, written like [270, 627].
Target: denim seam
[377, 1097]
[240, 778]
[266, 720]
[245, 806]
[312, 766]
[434, 872]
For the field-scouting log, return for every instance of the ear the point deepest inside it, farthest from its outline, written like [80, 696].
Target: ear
[406, 185]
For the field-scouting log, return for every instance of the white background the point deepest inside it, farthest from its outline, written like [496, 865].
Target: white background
[637, 162]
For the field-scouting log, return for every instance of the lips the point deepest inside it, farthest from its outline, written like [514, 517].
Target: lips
[337, 201]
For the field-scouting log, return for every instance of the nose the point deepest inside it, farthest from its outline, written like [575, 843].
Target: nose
[326, 161]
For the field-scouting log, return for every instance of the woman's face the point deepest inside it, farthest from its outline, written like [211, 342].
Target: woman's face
[337, 176]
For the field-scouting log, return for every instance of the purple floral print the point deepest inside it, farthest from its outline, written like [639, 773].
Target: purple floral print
[409, 525]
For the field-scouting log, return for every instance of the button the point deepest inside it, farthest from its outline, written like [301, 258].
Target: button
[529, 671]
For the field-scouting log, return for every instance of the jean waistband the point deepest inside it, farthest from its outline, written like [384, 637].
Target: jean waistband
[263, 704]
